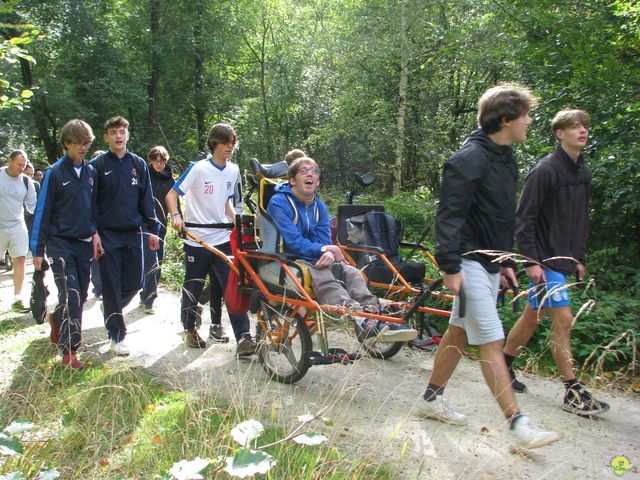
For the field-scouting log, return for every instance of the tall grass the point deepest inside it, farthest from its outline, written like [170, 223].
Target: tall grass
[116, 420]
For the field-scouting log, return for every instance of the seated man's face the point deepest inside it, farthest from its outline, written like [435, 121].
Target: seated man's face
[306, 181]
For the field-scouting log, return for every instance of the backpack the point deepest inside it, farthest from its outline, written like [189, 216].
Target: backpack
[379, 229]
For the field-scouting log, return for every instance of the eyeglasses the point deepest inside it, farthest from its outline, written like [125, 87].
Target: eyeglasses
[313, 170]
[81, 144]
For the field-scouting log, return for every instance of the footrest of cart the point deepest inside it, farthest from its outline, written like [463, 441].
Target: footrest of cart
[335, 355]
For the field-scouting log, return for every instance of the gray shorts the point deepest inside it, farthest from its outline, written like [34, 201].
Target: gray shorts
[14, 239]
[481, 321]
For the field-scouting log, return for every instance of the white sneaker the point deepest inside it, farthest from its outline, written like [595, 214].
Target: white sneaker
[528, 435]
[119, 348]
[440, 410]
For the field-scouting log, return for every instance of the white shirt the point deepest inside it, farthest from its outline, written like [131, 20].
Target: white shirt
[207, 188]
[14, 198]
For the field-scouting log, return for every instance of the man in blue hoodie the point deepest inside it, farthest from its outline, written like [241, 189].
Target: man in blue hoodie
[303, 221]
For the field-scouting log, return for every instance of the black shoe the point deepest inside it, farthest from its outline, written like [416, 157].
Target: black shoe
[216, 333]
[192, 339]
[517, 386]
[579, 401]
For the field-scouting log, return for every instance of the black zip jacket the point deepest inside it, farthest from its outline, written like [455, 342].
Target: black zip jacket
[477, 204]
[66, 204]
[125, 198]
[161, 183]
[553, 216]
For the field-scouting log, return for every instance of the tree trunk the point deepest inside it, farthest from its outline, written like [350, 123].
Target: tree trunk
[198, 72]
[44, 119]
[154, 77]
[402, 107]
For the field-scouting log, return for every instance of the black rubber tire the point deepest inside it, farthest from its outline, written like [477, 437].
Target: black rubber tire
[282, 363]
[378, 349]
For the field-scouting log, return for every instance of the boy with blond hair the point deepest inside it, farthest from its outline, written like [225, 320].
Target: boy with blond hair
[551, 231]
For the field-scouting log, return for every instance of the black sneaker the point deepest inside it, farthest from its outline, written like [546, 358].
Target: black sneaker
[517, 386]
[192, 339]
[579, 401]
[216, 333]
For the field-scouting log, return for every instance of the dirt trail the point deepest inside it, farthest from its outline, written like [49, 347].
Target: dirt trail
[371, 403]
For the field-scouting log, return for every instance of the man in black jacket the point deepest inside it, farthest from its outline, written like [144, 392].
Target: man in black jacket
[161, 182]
[552, 222]
[476, 213]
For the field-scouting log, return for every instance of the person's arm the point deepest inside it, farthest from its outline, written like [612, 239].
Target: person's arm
[237, 194]
[536, 188]
[458, 188]
[172, 200]
[229, 210]
[147, 203]
[31, 198]
[42, 218]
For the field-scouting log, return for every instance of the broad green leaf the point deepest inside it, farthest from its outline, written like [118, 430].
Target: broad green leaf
[305, 418]
[26, 94]
[189, 470]
[327, 421]
[247, 462]
[10, 445]
[18, 427]
[50, 474]
[310, 438]
[246, 431]
[13, 476]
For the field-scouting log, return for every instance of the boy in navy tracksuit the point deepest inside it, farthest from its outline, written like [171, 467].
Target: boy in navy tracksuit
[64, 225]
[125, 218]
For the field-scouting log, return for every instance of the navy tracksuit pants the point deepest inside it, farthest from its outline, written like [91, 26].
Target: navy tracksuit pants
[200, 262]
[121, 270]
[72, 281]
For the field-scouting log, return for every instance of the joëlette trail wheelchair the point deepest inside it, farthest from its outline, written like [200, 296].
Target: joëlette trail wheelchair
[282, 297]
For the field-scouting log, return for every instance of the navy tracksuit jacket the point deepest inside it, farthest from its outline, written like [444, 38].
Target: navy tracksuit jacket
[63, 225]
[125, 218]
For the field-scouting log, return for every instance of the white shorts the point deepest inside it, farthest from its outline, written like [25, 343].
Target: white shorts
[481, 321]
[14, 239]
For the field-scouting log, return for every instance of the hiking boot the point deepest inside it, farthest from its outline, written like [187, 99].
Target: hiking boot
[527, 434]
[19, 307]
[54, 335]
[376, 331]
[149, 310]
[579, 401]
[119, 348]
[246, 347]
[439, 409]
[70, 360]
[192, 339]
[216, 333]
[517, 386]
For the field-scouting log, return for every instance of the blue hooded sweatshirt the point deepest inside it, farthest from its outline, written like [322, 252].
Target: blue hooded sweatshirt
[307, 232]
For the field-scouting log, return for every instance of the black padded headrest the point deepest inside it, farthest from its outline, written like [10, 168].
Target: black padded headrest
[276, 170]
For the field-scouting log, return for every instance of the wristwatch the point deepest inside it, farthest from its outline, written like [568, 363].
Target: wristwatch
[323, 249]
